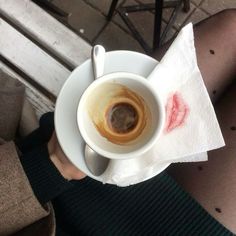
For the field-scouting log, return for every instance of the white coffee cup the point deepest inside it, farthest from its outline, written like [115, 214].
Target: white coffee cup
[120, 115]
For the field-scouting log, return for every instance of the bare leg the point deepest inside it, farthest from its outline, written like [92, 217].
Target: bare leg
[213, 183]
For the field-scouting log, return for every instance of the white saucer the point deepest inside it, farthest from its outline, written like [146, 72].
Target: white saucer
[66, 109]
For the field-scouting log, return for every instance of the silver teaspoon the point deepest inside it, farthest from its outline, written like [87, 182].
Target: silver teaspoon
[96, 163]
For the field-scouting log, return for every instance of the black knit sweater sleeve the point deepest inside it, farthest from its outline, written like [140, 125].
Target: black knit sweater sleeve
[45, 180]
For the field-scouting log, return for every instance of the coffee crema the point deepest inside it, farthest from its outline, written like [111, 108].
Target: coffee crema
[118, 113]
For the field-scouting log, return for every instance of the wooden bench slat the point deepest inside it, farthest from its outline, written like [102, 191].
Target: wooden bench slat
[47, 30]
[40, 103]
[31, 59]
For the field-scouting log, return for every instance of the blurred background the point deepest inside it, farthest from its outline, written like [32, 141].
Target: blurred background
[89, 19]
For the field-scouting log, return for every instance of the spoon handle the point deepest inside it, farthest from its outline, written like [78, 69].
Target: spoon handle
[96, 163]
[98, 60]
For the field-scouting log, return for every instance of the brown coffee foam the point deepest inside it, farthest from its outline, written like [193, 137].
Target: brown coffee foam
[118, 94]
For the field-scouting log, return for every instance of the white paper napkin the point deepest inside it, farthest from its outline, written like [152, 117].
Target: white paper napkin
[191, 126]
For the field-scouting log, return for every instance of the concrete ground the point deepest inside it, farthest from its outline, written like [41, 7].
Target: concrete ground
[88, 19]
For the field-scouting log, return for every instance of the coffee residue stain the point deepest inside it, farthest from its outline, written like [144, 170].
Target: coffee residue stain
[122, 117]
[121, 95]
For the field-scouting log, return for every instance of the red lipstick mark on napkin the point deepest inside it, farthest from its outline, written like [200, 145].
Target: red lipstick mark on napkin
[177, 111]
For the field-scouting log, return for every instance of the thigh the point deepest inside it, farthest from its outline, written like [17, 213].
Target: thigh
[213, 183]
[216, 51]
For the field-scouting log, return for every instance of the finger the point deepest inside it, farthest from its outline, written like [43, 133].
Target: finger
[79, 175]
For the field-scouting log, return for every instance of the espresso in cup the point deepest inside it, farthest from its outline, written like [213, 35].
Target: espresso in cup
[120, 116]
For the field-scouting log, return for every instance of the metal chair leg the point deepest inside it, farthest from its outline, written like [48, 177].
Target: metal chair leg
[112, 9]
[186, 7]
[51, 7]
[157, 23]
[158, 6]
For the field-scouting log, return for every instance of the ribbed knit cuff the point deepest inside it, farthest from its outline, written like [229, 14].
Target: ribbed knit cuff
[46, 181]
